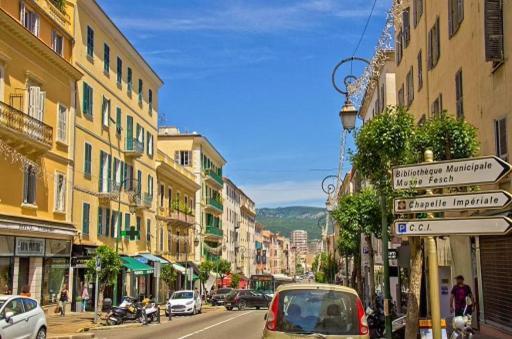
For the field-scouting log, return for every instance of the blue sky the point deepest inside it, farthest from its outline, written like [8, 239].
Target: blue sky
[254, 77]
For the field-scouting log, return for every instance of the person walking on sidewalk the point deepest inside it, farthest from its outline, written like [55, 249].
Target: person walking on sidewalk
[461, 297]
[85, 297]
[63, 299]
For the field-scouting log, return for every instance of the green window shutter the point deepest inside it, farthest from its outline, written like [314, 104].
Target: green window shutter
[127, 221]
[118, 121]
[107, 222]
[85, 99]
[139, 181]
[148, 230]
[139, 220]
[109, 183]
[119, 224]
[100, 221]
[129, 132]
[125, 175]
[85, 218]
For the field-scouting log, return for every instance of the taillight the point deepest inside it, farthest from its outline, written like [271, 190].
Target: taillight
[361, 316]
[272, 314]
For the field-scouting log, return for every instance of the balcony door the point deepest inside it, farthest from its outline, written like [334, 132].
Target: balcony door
[129, 132]
[36, 99]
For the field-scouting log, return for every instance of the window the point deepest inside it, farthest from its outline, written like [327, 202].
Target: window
[29, 19]
[148, 230]
[420, 70]
[162, 190]
[184, 158]
[57, 43]
[129, 80]
[139, 181]
[87, 159]
[500, 132]
[115, 224]
[62, 131]
[60, 192]
[29, 304]
[459, 94]
[86, 210]
[90, 42]
[87, 100]
[106, 58]
[401, 97]
[150, 101]
[434, 45]
[105, 109]
[140, 91]
[494, 35]
[150, 185]
[127, 221]
[29, 185]
[161, 239]
[406, 22]
[399, 47]
[15, 306]
[103, 221]
[410, 86]
[105, 172]
[117, 173]
[437, 105]
[119, 126]
[139, 221]
[169, 194]
[149, 147]
[455, 16]
[140, 135]
[36, 102]
[417, 11]
[119, 70]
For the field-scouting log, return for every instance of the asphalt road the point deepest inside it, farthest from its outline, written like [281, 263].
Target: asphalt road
[217, 323]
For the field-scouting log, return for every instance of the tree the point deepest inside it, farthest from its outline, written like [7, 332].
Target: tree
[169, 275]
[222, 267]
[204, 272]
[110, 267]
[235, 280]
[299, 270]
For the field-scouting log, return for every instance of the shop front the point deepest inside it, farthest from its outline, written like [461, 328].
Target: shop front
[137, 277]
[82, 284]
[151, 286]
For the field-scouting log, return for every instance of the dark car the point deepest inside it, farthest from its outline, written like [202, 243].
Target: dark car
[242, 299]
[219, 297]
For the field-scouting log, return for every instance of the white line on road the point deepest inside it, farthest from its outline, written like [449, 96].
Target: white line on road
[217, 324]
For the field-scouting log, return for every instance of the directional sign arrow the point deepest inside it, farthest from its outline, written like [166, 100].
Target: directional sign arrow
[462, 172]
[453, 202]
[453, 226]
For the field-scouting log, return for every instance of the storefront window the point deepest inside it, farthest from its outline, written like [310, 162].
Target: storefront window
[58, 248]
[55, 277]
[6, 268]
[6, 245]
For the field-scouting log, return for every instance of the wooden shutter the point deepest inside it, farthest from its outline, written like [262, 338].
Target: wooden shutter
[85, 218]
[107, 222]
[493, 17]
[109, 171]
[100, 221]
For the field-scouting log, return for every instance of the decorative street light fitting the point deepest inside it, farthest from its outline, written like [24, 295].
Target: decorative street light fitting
[348, 115]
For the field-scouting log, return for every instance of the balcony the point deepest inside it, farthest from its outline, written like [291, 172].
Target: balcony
[214, 206]
[176, 217]
[213, 233]
[23, 132]
[108, 190]
[147, 200]
[214, 178]
[134, 148]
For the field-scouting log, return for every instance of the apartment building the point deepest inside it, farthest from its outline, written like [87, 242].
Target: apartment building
[452, 56]
[37, 109]
[115, 137]
[266, 252]
[259, 245]
[299, 239]
[247, 249]
[231, 220]
[195, 152]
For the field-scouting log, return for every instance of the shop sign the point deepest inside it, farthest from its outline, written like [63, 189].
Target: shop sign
[30, 228]
[79, 262]
[29, 247]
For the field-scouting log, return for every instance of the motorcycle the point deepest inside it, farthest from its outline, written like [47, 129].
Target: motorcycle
[376, 322]
[129, 309]
[152, 312]
[462, 326]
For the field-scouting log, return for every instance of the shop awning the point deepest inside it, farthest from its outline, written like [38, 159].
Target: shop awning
[136, 267]
[179, 268]
[151, 257]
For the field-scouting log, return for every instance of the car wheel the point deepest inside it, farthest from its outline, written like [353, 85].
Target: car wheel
[229, 308]
[257, 307]
[242, 305]
[194, 311]
[41, 334]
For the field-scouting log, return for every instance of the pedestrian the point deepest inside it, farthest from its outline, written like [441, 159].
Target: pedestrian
[85, 297]
[461, 296]
[63, 299]
[25, 291]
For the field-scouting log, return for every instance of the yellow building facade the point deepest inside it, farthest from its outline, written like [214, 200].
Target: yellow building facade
[115, 146]
[37, 108]
[196, 153]
[453, 56]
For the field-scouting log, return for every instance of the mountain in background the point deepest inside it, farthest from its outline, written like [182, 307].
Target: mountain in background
[286, 219]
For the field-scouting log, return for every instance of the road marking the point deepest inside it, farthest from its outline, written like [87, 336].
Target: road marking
[211, 326]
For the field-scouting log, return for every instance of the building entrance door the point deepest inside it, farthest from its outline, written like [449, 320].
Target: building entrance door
[23, 274]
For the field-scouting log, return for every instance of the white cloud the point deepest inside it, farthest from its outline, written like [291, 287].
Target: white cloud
[286, 193]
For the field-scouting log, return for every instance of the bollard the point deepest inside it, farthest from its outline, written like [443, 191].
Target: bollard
[170, 313]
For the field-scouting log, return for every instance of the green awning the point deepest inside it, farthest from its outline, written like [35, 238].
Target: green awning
[154, 258]
[136, 267]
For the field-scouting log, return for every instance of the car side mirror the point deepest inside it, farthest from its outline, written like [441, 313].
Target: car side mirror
[8, 316]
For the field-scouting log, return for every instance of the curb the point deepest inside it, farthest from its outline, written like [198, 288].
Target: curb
[108, 327]
[73, 336]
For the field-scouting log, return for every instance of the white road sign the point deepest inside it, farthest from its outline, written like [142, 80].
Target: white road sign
[471, 171]
[453, 202]
[454, 226]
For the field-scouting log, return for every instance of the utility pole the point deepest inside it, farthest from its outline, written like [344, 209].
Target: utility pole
[96, 291]
[385, 259]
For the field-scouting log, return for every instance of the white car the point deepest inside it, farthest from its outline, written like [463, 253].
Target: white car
[184, 302]
[21, 318]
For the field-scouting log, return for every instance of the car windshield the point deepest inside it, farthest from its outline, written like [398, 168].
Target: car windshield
[224, 290]
[182, 295]
[317, 311]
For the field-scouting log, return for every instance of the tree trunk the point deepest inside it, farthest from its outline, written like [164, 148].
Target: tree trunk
[100, 297]
[413, 300]
[371, 264]
[353, 278]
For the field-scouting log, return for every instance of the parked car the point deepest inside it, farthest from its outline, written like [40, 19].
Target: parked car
[21, 317]
[184, 302]
[241, 299]
[219, 297]
[329, 311]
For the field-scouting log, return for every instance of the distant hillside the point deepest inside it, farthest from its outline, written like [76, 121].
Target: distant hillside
[286, 219]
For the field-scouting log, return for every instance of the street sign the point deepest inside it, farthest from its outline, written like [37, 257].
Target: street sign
[453, 226]
[453, 202]
[392, 254]
[462, 172]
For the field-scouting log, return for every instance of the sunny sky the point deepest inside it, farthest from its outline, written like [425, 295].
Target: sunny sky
[254, 77]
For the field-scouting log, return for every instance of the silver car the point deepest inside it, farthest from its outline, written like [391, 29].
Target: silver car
[21, 318]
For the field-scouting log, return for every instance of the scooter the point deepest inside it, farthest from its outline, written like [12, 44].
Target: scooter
[462, 326]
[152, 312]
[376, 322]
[129, 309]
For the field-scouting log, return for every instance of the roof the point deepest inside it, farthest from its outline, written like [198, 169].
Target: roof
[318, 286]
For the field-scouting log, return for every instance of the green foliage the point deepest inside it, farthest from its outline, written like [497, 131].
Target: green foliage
[328, 268]
[222, 267]
[383, 142]
[320, 277]
[168, 274]
[235, 280]
[447, 137]
[110, 266]
[204, 270]
[286, 219]
[299, 270]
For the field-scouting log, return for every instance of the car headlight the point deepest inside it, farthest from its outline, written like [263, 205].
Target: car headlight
[190, 302]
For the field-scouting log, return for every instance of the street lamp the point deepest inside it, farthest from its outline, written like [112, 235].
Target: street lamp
[348, 115]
